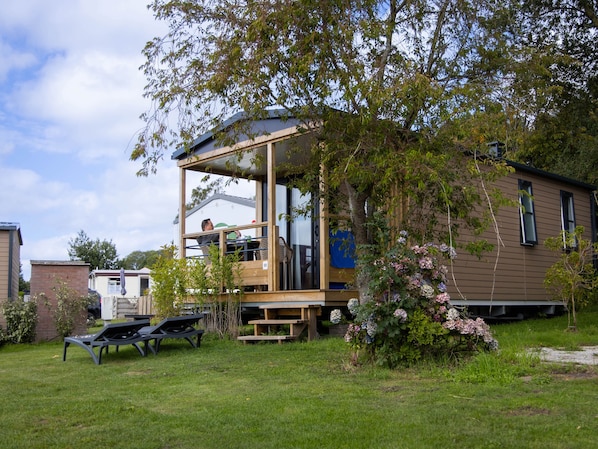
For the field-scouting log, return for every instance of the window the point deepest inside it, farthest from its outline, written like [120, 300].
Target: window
[113, 286]
[143, 285]
[567, 213]
[526, 214]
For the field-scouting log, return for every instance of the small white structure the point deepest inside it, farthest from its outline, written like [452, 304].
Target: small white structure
[220, 208]
[107, 282]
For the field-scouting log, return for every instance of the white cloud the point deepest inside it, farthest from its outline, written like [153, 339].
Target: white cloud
[13, 59]
[80, 89]
[80, 24]
[70, 100]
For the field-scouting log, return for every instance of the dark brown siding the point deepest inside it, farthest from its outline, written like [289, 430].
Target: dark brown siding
[516, 272]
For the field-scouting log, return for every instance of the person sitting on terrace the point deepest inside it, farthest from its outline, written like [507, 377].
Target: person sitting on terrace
[207, 225]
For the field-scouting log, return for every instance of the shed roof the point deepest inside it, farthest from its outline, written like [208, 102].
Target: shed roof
[11, 226]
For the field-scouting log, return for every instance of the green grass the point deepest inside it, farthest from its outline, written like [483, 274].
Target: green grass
[300, 395]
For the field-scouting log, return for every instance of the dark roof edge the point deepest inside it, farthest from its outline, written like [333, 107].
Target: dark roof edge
[546, 174]
[239, 116]
[10, 226]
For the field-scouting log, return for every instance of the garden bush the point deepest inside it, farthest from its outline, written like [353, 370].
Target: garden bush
[213, 285]
[21, 320]
[70, 307]
[407, 315]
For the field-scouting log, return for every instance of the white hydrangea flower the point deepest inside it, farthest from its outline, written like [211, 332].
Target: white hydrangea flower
[427, 291]
[352, 306]
[336, 316]
[452, 314]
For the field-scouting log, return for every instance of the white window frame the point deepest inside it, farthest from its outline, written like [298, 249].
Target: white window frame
[527, 214]
[113, 286]
[567, 215]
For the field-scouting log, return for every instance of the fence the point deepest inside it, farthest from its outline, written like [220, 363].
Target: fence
[123, 306]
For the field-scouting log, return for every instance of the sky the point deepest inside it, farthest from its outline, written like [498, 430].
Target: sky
[71, 94]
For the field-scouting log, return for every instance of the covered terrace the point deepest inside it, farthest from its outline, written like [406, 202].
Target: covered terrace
[283, 260]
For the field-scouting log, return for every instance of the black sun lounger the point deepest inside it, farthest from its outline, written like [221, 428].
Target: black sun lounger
[174, 327]
[117, 334]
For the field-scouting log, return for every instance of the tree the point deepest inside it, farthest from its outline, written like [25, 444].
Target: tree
[98, 254]
[202, 192]
[23, 284]
[140, 259]
[572, 277]
[395, 91]
[561, 79]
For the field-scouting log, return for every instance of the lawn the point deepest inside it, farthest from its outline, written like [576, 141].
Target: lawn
[300, 395]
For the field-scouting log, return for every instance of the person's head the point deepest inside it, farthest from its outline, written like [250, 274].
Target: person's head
[207, 225]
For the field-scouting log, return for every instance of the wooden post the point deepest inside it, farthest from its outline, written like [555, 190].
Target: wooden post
[182, 211]
[273, 280]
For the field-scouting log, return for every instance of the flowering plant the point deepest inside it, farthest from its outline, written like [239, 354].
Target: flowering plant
[407, 313]
[337, 317]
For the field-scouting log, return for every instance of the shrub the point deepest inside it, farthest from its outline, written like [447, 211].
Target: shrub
[70, 307]
[169, 276]
[572, 277]
[179, 281]
[21, 320]
[407, 315]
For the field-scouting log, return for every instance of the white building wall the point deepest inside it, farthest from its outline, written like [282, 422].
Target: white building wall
[100, 282]
[219, 211]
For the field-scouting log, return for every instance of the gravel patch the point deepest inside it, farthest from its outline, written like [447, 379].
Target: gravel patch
[586, 355]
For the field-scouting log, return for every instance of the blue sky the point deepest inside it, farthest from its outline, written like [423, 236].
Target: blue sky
[70, 100]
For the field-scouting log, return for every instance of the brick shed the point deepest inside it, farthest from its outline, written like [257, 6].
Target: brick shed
[45, 277]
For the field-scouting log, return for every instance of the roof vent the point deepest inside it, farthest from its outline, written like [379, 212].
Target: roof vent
[495, 149]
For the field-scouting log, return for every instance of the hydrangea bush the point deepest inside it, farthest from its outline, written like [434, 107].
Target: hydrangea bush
[407, 313]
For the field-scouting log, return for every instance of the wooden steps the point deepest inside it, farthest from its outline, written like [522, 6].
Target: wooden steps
[275, 322]
[262, 329]
[254, 338]
[297, 317]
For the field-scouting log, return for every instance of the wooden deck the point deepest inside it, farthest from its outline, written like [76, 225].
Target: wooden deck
[323, 298]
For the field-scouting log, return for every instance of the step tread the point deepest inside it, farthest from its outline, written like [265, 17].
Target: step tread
[266, 337]
[278, 321]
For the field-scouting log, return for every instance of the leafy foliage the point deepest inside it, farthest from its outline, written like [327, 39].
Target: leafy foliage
[98, 254]
[21, 320]
[69, 310]
[407, 314]
[559, 85]
[23, 284]
[394, 92]
[169, 283]
[140, 259]
[203, 191]
[572, 277]
[213, 285]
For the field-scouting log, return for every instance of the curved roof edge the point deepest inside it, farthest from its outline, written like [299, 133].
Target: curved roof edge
[219, 196]
[269, 114]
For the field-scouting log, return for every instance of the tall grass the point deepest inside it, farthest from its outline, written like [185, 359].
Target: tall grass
[300, 395]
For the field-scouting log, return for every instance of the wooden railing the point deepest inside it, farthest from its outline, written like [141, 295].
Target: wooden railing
[259, 265]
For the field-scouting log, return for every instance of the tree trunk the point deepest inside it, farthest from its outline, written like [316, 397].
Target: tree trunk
[357, 209]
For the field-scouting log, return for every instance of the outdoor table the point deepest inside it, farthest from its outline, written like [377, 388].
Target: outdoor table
[246, 248]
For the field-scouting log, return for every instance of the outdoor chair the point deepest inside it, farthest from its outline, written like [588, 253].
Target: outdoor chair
[285, 257]
[117, 334]
[205, 251]
[174, 327]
